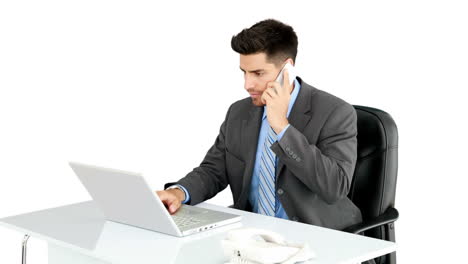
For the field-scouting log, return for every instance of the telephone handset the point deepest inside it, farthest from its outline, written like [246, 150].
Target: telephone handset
[251, 245]
[256, 234]
[291, 72]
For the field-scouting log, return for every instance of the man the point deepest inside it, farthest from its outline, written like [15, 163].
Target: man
[287, 151]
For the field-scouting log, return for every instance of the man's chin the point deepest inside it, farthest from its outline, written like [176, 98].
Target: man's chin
[257, 102]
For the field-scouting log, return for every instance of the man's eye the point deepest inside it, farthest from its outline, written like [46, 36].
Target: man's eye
[259, 73]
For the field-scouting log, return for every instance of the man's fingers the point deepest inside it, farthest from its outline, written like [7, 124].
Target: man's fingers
[275, 86]
[285, 80]
[267, 95]
[271, 92]
[174, 207]
[169, 200]
[263, 98]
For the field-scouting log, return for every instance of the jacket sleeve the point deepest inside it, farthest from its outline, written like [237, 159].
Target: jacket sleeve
[325, 168]
[208, 179]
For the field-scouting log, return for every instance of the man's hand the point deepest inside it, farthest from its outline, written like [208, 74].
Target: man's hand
[276, 97]
[172, 199]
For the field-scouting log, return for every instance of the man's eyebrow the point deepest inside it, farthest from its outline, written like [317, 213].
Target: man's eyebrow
[259, 70]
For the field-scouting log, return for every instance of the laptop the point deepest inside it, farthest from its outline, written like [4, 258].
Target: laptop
[126, 198]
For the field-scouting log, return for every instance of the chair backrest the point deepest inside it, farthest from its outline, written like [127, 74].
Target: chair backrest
[374, 182]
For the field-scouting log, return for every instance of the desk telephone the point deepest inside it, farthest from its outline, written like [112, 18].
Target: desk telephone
[256, 246]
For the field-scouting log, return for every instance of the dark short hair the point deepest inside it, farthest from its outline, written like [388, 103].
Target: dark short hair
[276, 39]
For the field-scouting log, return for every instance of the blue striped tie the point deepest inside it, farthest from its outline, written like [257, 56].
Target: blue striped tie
[266, 198]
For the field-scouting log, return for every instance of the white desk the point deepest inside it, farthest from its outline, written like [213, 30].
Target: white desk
[79, 234]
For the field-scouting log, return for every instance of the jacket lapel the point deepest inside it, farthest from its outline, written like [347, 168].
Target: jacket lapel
[249, 140]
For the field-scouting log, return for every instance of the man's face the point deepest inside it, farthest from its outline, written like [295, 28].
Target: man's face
[257, 73]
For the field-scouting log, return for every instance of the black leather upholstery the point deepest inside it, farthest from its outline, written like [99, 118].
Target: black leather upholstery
[374, 182]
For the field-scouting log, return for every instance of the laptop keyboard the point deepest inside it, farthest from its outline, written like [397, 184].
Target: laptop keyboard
[182, 220]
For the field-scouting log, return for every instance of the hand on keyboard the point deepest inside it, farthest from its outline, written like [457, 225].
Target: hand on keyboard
[172, 199]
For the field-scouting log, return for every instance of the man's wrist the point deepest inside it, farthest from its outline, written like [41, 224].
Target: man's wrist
[281, 134]
[280, 127]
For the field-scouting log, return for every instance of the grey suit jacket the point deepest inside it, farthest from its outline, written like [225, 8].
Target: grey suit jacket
[316, 159]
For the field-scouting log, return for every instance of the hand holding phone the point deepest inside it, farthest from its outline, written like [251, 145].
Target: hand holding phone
[277, 96]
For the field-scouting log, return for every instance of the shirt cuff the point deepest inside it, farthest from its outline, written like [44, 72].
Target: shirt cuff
[280, 135]
[187, 195]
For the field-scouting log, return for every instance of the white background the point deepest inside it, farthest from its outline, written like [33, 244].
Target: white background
[144, 86]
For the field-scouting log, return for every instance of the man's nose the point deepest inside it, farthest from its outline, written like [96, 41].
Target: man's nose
[248, 83]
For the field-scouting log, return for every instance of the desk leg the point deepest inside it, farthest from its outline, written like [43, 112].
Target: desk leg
[61, 255]
[25, 245]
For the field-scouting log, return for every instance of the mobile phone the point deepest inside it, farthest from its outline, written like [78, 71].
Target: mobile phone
[291, 71]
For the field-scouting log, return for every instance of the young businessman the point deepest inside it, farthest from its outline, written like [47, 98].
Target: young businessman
[287, 151]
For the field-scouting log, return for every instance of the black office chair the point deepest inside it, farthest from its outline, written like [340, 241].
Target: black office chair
[374, 182]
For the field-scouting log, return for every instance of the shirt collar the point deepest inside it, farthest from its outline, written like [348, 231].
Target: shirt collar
[292, 100]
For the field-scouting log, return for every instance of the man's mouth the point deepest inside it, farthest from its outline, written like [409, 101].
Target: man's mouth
[255, 95]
